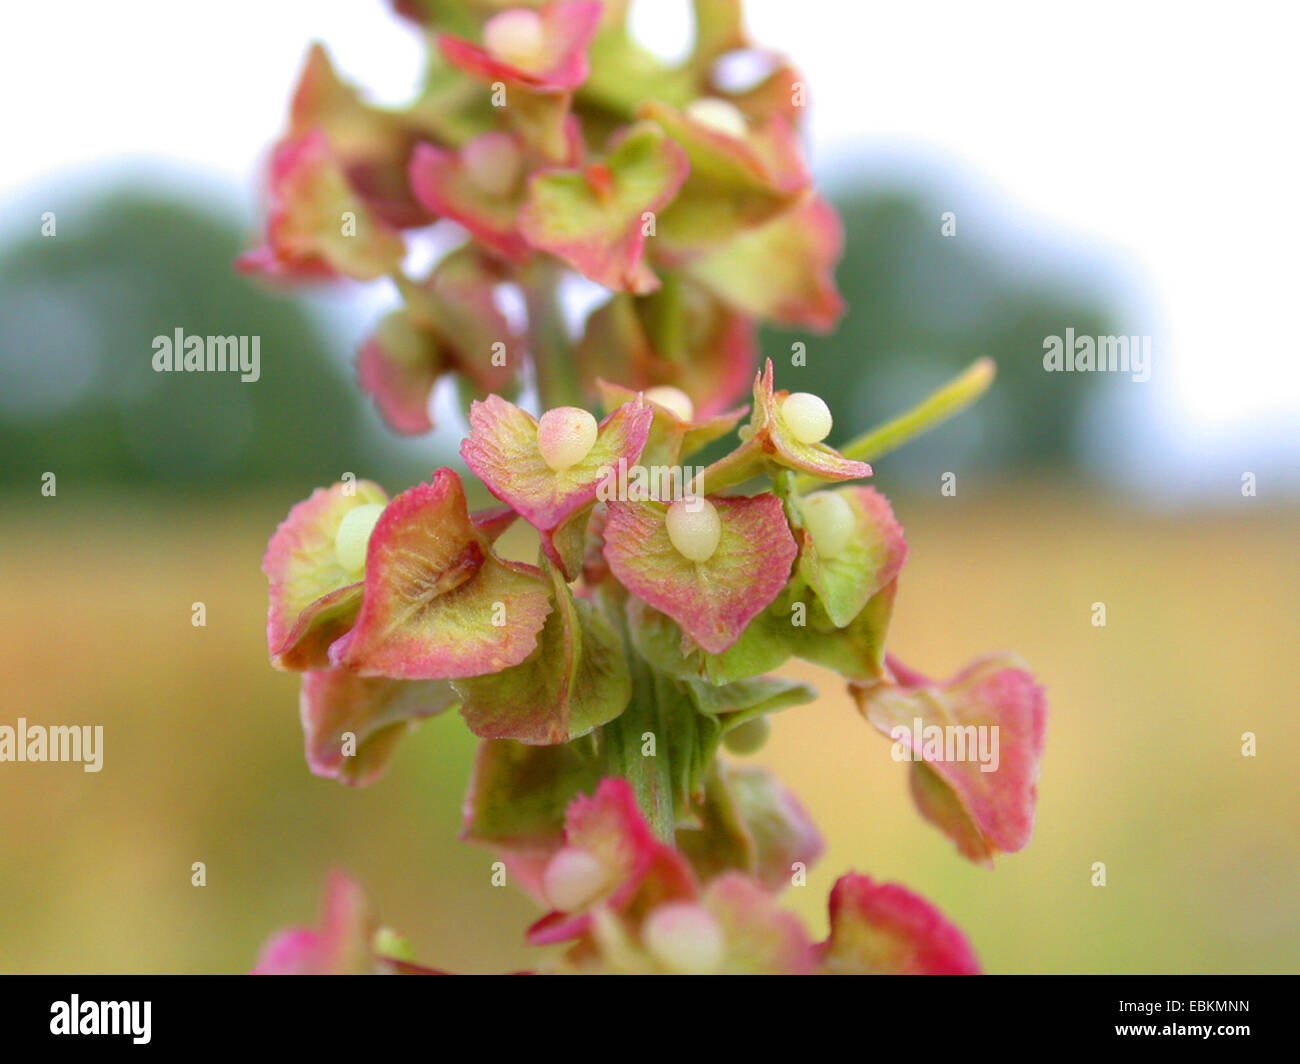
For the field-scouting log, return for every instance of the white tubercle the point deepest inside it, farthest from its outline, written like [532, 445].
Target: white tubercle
[807, 417]
[684, 938]
[517, 36]
[718, 115]
[573, 879]
[828, 518]
[674, 400]
[353, 535]
[694, 528]
[565, 436]
[493, 163]
[748, 738]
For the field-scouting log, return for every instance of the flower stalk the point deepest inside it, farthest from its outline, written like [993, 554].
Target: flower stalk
[548, 336]
[606, 677]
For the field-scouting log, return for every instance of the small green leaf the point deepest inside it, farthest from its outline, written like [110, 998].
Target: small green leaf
[573, 682]
[518, 794]
[870, 560]
[762, 647]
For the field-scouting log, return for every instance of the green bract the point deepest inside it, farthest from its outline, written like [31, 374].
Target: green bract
[574, 681]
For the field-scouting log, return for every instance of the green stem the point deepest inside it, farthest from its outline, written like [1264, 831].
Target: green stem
[621, 740]
[783, 487]
[952, 398]
[742, 464]
[669, 320]
[548, 336]
[412, 293]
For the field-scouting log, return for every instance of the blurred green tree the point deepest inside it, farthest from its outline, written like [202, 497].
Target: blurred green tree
[78, 314]
[920, 308]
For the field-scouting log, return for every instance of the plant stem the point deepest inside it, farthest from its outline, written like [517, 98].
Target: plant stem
[620, 741]
[548, 336]
[669, 320]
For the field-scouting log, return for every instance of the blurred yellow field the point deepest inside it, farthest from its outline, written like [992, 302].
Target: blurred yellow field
[203, 760]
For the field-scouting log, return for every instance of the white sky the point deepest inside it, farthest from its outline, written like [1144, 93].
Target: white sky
[1162, 134]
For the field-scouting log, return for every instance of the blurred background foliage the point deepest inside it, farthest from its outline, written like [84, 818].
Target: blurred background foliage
[78, 314]
[168, 486]
[921, 307]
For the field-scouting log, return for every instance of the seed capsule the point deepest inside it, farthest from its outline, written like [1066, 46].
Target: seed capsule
[719, 115]
[353, 535]
[573, 879]
[748, 738]
[517, 37]
[684, 938]
[388, 943]
[565, 436]
[493, 163]
[829, 519]
[673, 400]
[694, 528]
[807, 417]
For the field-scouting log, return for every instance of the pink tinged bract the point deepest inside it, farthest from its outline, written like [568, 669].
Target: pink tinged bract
[782, 271]
[372, 144]
[671, 436]
[458, 303]
[502, 451]
[720, 368]
[398, 365]
[341, 944]
[769, 441]
[375, 712]
[438, 604]
[494, 522]
[882, 928]
[639, 870]
[773, 95]
[713, 362]
[518, 795]
[983, 812]
[736, 182]
[761, 938]
[597, 219]
[713, 600]
[313, 599]
[305, 234]
[449, 324]
[748, 822]
[567, 30]
[776, 820]
[443, 183]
